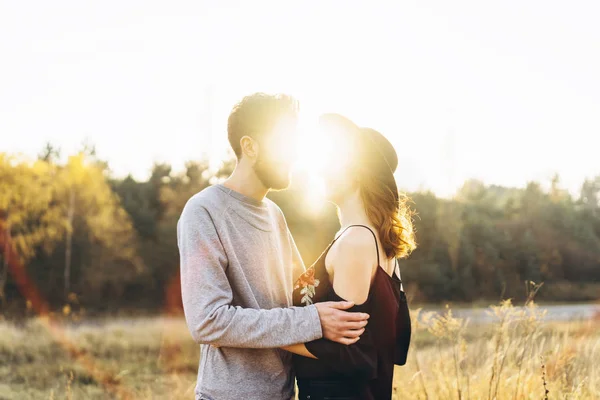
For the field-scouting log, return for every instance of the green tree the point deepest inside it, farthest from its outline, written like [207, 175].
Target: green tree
[92, 210]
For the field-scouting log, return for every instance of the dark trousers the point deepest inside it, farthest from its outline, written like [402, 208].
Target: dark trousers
[322, 389]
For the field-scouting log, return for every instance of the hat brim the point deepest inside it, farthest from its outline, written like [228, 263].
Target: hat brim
[336, 122]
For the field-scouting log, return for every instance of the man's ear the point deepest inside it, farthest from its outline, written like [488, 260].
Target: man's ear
[249, 147]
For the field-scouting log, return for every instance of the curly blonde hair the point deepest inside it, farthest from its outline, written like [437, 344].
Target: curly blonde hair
[386, 208]
[389, 211]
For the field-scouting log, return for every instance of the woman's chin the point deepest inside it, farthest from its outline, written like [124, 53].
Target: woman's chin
[331, 197]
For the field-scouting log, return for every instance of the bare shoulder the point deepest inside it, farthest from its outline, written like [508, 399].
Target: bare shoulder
[352, 260]
[356, 246]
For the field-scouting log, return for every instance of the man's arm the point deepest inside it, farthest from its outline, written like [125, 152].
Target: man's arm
[207, 295]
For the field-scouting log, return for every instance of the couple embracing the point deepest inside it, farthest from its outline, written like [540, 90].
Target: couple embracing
[263, 320]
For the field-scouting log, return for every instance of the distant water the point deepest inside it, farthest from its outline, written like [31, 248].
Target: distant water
[555, 312]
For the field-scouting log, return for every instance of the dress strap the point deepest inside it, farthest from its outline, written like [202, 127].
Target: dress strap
[397, 271]
[370, 230]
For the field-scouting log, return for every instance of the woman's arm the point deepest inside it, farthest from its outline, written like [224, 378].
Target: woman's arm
[352, 261]
[299, 349]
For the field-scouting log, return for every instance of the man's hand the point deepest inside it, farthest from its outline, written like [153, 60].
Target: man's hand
[341, 326]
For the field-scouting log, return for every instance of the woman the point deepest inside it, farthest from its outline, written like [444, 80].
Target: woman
[359, 266]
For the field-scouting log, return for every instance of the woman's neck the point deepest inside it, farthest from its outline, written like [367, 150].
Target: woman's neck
[352, 211]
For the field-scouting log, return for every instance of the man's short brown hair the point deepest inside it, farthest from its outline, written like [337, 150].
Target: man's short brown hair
[256, 115]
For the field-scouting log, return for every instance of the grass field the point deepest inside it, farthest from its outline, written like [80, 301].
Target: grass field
[518, 357]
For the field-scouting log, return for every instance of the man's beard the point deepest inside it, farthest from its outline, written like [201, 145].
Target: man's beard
[271, 176]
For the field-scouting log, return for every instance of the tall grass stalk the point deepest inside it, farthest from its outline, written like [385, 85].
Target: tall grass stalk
[418, 327]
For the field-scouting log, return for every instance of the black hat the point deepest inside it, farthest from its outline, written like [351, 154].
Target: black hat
[383, 146]
[366, 136]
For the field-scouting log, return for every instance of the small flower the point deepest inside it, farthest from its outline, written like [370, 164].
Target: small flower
[307, 278]
[308, 283]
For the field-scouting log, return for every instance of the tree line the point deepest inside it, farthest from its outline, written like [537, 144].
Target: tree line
[72, 233]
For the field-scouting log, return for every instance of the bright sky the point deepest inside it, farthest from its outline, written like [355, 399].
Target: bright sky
[502, 91]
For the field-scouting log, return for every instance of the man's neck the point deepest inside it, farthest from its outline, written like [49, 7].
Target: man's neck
[352, 211]
[244, 180]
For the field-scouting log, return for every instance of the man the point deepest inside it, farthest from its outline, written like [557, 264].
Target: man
[239, 261]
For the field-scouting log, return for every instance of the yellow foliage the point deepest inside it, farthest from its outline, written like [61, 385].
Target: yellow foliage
[41, 203]
[25, 195]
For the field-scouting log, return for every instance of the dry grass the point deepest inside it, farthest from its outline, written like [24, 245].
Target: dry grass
[518, 357]
[129, 359]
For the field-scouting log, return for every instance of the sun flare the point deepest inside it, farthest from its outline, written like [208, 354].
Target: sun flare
[313, 149]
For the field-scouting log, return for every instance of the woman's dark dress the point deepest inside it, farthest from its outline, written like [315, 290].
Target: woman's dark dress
[363, 370]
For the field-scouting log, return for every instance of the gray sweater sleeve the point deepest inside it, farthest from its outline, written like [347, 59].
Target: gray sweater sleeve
[207, 295]
[299, 267]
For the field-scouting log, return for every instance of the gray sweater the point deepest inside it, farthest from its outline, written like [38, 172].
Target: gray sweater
[238, 261]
